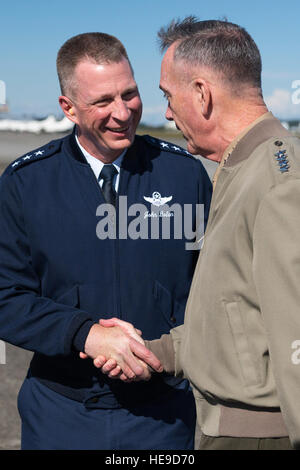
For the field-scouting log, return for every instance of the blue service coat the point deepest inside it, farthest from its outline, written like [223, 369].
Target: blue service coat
[57, 277]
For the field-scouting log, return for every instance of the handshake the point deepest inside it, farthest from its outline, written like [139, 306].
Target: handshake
[117, 348]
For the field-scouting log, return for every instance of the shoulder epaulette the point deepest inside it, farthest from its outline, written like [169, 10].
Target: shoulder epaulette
[281, 156]
[166, 146]
[38, 154]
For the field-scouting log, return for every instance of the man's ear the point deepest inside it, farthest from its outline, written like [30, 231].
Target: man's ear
[203, 96]
[68, 108]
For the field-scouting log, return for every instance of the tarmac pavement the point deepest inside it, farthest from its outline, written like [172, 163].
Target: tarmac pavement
[12, 375]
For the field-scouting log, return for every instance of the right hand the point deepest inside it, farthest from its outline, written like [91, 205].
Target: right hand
[122, 345]
[110, 367]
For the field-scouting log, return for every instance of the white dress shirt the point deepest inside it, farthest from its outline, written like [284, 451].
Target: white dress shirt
[97, 165]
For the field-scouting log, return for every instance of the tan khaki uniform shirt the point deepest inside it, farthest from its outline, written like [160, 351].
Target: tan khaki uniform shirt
[240, 343]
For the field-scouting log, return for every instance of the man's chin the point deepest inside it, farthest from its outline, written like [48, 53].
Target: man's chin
[121, 144]
[189, 146]
[125, 138]
[192, 149]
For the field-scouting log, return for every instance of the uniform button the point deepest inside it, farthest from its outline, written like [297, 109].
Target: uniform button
[278, 143]
[94, 400]
[173, 319]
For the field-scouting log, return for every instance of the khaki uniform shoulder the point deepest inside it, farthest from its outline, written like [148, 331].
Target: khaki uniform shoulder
[285, 156]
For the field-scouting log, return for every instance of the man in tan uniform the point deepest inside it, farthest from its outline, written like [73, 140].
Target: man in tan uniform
[240, 343]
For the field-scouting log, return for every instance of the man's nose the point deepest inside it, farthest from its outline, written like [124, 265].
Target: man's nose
[168, 114]
[120, 111]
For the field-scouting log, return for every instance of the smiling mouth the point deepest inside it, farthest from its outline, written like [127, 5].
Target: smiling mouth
[118, 130]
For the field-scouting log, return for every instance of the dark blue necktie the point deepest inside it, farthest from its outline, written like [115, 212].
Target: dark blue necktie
[107, 174]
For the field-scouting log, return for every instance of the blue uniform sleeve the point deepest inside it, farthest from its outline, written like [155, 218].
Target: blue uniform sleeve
[27, 319]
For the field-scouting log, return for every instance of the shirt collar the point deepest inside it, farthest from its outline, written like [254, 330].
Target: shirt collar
[233, 144]
[96, 164]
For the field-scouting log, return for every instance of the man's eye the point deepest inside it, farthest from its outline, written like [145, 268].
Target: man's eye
[101, 104]
[129, 95]
[166, 97]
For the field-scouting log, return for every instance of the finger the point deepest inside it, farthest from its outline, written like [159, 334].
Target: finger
[115, 373]
[136, 366]
[120, 376]
[108, 366]
[99, 361]
[125, 379]
[131, 368]
[145, 355]
[145, 376]
[82, 355]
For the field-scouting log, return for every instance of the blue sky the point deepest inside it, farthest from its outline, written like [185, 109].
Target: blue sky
[31, 33]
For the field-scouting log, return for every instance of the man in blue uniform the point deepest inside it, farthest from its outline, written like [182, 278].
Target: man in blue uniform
[72, 252]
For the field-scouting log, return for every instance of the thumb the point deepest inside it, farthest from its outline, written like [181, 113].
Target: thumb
[141, 352]
[127, 327]
[107, 322]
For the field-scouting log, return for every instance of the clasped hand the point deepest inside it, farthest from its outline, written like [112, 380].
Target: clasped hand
[117, 348]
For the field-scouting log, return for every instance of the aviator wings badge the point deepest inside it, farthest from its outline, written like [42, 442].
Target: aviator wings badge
[157, 200]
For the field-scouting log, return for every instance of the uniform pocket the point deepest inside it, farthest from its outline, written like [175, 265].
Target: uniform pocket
[172, 311]
[242, 345]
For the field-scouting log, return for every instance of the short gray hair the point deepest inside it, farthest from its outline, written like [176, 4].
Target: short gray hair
[220, 45]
